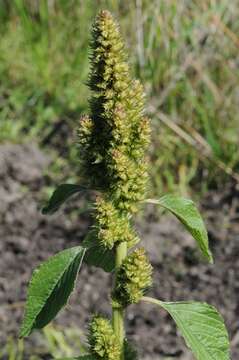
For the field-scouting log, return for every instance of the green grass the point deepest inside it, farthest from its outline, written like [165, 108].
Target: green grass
[186, 54]
[53, 341]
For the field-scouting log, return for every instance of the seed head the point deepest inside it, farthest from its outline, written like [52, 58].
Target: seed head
[112, 227]
[113, 140]
[103, 342]
[133, 278]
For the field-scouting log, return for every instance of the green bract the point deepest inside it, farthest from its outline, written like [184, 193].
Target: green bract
[113, 140]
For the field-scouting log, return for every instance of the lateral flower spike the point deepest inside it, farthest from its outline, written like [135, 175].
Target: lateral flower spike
[102, 340]
[111, 226]
[114, 138]
[133, 279]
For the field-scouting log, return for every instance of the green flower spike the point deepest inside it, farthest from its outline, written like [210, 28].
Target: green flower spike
[133, 278]
[114, 138]
[103, 342]
[112, 227]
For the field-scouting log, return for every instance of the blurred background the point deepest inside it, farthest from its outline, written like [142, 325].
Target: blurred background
[186, 55]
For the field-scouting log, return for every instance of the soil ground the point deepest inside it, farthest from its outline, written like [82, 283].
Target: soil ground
[27, 238]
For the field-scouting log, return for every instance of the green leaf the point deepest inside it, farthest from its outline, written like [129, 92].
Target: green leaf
[187, 213]
[97, 255]
[201, 326]
[60, 195]
[50, 287]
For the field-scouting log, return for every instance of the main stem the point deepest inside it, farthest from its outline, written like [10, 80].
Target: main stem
[117, 310]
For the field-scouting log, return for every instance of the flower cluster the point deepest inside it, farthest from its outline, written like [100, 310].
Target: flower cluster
[133, 278]
[111, 226]
[114, 138]
[102, 340]
[113, 141]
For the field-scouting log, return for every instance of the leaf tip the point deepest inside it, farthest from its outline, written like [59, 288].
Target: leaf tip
[47, 210]
[211, 260]
[23, 332]
[209, 256]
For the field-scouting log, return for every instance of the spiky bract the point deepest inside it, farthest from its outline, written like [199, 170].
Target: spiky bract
[133, 278]
[102, 340]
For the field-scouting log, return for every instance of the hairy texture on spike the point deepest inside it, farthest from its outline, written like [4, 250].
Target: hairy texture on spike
[103, 342]
[112, 227]
[133, 278]
[114, 139]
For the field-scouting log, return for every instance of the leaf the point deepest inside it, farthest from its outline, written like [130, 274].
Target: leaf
[59, 196]
[97, 255]
[201, 326]
[187, 213]
[50, 287]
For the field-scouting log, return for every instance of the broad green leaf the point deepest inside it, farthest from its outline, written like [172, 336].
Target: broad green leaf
[50, 287]
[201, 326]
[97, 255]
[60, 195]
[186, 211]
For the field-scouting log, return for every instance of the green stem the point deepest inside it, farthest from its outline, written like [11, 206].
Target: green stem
[117, 310]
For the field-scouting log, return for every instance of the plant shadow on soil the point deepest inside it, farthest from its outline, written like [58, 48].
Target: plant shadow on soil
[27, 238]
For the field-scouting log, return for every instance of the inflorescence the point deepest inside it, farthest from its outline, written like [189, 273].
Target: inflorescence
[113, 141]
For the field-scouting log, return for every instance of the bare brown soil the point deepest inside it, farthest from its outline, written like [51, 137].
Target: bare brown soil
[27, 238]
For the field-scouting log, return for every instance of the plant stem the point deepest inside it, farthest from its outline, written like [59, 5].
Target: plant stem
[117, 310]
